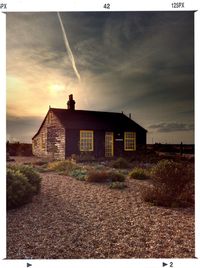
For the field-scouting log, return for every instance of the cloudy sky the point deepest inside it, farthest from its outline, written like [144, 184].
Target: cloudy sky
[137, 62]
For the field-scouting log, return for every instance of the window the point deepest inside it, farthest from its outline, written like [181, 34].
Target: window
[109, 144]
[129, 141]
[86, 140]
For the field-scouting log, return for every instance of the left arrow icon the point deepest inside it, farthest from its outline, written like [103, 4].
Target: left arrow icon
[28, 264]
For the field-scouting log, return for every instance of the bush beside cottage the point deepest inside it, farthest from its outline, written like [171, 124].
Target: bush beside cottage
[23, 182]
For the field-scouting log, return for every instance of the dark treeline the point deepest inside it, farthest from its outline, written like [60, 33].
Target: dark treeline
[172, 148]
[19, 149]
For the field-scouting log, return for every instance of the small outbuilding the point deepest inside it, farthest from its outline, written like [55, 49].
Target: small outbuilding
[66, 132]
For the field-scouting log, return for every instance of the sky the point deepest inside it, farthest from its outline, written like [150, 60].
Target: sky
[136, 62]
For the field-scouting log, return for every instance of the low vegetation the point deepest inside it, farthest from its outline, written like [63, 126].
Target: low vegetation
[105, 177]
[68, 168]
[120, 163]
[79, 174]
[22, 184]
[94, 174]
[139, 174]
[118, 185]
[170, 184]
[64, 166]
[32, 176]
[173, 184]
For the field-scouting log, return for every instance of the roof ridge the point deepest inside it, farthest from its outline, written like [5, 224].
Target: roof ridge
[64, 109]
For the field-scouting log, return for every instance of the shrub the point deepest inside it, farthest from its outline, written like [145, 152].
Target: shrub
[116, 177]
[32, 176]
[120, 163]
[171, 173]
[22, 183]
[139, 174]
[187, 194]
[103, 176]
[79, 174]
[156, 195]
[65, 166]
[172, 184]
[97, 176]
[18, 189]
[118, 185]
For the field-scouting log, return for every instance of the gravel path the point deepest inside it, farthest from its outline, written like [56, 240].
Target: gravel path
[74, 219]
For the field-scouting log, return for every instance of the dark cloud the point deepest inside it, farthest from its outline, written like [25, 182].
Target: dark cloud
[172, 127]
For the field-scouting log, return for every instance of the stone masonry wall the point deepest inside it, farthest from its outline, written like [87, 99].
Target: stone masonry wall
[50, 142]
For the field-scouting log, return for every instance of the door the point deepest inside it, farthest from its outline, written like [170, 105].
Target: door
[109, 144]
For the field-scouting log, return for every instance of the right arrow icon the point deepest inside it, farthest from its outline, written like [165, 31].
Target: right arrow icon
[164, 264]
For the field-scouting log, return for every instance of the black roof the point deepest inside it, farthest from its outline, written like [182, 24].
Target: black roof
[83, 119]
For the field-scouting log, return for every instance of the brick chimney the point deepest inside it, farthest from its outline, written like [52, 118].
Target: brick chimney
[71, 103]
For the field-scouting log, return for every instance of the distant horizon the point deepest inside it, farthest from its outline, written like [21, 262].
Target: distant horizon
[156, 143]
[136, 62]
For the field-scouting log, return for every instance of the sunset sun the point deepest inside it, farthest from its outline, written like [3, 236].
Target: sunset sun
[55, 88]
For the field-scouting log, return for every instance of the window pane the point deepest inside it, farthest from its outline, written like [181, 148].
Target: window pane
[86, 140]
[130, 141]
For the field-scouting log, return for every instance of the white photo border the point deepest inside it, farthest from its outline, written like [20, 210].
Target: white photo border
[96, 5]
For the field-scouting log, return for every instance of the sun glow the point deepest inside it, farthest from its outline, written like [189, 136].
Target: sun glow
[54, 88]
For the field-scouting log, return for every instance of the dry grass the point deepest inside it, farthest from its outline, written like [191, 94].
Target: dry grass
[62, 166]
[139, 173]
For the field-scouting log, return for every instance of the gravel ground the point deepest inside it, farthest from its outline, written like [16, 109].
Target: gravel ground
[74, 219]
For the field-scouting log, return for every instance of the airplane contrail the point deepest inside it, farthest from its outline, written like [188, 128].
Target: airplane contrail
[69, 51]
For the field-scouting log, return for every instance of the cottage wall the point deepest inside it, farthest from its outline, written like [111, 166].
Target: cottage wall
[73, 138]
[73, 143]
[50, 141]
[119, 142]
